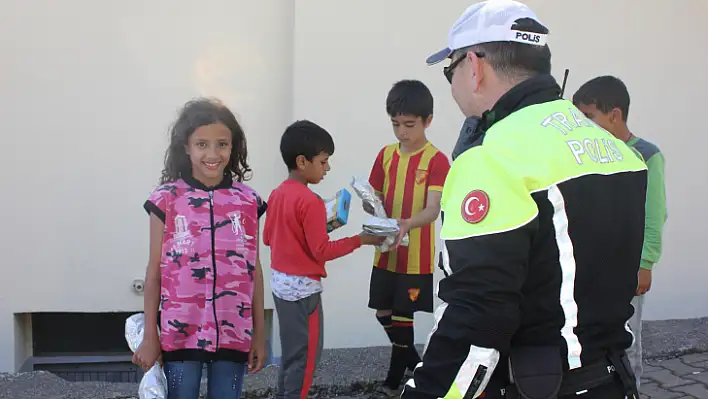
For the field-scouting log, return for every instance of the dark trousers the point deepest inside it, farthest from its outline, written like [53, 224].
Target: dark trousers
[613, 390]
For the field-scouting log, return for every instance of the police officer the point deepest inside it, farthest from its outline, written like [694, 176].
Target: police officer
[543, 218]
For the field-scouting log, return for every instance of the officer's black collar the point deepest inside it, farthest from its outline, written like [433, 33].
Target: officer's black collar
[226, 182]
[535, 90]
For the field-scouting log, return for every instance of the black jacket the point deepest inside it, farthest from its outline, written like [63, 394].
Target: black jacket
[504, 288]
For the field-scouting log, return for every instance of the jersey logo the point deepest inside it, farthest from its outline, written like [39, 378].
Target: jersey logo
[413, 294]
[420, 176]
[475, 206]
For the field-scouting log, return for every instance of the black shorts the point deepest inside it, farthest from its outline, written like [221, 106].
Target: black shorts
[404, 293]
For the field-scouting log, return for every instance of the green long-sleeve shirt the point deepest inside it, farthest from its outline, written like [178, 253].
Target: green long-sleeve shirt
[656, 213]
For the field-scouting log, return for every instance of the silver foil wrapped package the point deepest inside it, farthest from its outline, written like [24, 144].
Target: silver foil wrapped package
[377, 226]
[385, 227]
[154, 383]
[134, 328]
[368, 196]
[380, 224]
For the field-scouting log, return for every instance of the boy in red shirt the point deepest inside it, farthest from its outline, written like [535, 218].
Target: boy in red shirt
[408, 176]
[295, 229]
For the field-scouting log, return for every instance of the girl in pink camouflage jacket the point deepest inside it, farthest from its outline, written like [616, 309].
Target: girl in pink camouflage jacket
[204, 272]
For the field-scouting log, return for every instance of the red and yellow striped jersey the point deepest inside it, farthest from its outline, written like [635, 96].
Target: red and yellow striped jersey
[404, 180]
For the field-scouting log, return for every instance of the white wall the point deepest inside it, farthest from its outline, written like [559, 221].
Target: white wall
[654, 51]
[347, 57]
[87, 91]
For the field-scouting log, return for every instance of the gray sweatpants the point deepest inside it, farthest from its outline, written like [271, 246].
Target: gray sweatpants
[634, 353]
[301, 343]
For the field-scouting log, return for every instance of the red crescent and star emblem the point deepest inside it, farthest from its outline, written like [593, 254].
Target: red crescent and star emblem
[475, 206]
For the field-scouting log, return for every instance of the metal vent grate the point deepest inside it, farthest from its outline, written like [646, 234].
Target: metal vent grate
[123, 371]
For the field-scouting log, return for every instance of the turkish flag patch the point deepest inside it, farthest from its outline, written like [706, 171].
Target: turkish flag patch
[475, 206]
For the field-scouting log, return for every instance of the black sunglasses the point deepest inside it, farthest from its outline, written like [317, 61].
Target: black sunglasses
[449, 70]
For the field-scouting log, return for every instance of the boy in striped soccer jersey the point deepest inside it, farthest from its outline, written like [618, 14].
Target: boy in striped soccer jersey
[408, 176]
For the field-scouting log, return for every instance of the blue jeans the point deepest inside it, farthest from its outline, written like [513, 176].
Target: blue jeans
[224, 379]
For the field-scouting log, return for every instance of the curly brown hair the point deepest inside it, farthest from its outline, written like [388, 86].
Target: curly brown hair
[193, 115]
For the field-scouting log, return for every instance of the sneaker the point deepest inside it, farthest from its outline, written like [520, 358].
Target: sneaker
[383, 392]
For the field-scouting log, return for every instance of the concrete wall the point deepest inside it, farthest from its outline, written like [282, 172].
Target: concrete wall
[88, 91]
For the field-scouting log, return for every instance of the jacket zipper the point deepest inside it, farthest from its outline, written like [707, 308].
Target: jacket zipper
[213, 262]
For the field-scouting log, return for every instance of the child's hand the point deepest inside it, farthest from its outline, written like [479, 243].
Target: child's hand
[644, 282]
[405, 226]
[148, 353]
[367, 239]
[257, 355]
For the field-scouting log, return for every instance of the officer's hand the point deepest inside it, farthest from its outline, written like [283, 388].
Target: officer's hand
[644, 278]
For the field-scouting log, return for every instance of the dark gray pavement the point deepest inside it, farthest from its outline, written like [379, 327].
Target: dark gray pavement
[676, 353]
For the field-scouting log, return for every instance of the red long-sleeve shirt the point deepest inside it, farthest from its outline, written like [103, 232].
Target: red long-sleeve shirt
[296, 232]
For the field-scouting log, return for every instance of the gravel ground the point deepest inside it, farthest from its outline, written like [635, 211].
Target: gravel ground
[342, 372]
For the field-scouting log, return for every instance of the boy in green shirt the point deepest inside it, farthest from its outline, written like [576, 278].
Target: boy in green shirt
[605, 100]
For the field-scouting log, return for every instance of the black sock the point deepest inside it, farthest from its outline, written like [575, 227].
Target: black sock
[404, 322]
[397, 366]
[413, 358]
[402, 350]
[386, 323]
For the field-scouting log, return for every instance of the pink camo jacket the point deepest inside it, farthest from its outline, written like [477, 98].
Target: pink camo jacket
[207, 267]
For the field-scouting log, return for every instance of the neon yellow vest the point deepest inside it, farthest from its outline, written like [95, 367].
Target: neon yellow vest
[528, 151]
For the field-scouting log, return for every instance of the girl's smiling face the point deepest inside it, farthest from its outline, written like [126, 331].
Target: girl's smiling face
[209, 150]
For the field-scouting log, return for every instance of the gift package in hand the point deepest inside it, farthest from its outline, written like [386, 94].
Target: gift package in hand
[154, 383]
[338, 210]
[379, 224]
